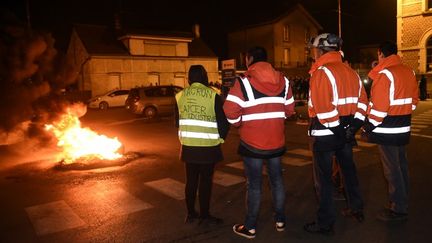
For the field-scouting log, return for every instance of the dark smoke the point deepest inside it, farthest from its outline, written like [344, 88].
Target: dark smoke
[32, 76]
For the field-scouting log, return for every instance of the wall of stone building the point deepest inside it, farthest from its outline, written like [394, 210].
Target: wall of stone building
[411, 58]
[411, 6]
[132, 72]
[413, 27]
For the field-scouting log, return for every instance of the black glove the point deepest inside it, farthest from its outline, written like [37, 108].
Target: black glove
[368, 127]
[338, 131]
[350, 133]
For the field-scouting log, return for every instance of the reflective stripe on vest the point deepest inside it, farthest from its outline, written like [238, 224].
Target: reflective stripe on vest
[393, 101]
[197, 118]
[252, 101]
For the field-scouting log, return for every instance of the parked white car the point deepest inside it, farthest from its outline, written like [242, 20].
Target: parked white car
[113, 98]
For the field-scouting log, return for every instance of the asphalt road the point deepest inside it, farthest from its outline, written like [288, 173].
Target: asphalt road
[142, 200]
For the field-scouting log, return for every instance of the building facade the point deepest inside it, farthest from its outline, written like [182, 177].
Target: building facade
[285, 39]
[108, 61]
[414, 36]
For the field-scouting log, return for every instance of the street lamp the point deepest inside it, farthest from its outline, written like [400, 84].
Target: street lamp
[339, 18]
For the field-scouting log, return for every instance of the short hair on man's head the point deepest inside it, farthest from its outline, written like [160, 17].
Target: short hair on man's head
[388, 48]
[197, 73]
[258, 53]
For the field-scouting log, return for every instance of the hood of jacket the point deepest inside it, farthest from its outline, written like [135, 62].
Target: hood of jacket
[331, 56]
[389, 61]
[265, 78]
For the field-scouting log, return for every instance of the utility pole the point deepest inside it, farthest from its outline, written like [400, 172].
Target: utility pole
[340, 18]
[28, 15]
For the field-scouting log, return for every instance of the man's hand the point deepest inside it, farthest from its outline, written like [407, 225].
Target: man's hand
[368, 127]
[350, 134]
[338, 131]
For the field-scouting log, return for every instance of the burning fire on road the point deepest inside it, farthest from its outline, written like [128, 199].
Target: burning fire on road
[76, 142]
[83, 148]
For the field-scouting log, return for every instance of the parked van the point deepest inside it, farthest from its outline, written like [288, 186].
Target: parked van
[152, 101]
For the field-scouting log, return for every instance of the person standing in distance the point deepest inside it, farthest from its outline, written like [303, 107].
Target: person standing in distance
[394, 96]
[337, 108]
[258, 104]
[202, 129]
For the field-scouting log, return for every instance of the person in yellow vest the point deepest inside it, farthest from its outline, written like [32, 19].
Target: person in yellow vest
[202, 129]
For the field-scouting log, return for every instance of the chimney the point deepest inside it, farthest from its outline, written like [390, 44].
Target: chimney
[196, 30]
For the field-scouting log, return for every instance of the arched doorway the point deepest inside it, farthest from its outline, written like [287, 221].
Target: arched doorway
[429, 55]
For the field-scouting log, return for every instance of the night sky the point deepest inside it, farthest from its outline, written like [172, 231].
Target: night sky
[363, 21]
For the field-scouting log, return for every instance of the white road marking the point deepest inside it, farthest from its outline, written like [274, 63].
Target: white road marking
[420, 135]
[121, 202]
[295, 161]
[421, 119]
[421, 123]
[53, 217]
[304, 152]
[225, 179]
[169, 187]
[240, 165]
[418, 126]
[237, 165]
[356, 150]
[364, 144]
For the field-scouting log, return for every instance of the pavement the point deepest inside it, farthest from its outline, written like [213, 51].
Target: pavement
[143, 201]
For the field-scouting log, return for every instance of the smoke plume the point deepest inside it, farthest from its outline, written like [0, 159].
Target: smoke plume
[32, 78]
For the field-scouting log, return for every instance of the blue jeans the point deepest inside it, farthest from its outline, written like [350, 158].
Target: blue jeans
[253, 171]
[395, 165]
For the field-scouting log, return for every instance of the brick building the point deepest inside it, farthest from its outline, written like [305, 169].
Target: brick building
[414, 36]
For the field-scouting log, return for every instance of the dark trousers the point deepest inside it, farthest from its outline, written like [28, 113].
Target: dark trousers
[344, 158]
[323, 170]
[199, 176]
[395, 165]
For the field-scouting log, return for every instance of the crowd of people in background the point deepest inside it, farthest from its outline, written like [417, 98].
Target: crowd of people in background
[300, 87]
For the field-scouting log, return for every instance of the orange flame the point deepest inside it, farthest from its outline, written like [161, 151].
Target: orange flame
[77, 142]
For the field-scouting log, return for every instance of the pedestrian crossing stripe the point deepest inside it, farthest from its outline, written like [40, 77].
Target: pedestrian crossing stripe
[356, 150]
[364, 144]
[53, 217]
[240, 165]
[169, 187]
[237, 165]
[303, 152]
[121, 202]
[418, 122]
[421, 119]
[302, 122]
[418, 126]
[225, 179]
[295, 161]
[420, 135]
[424, 115]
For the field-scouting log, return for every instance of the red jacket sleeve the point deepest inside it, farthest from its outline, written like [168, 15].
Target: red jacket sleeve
[233, 106]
